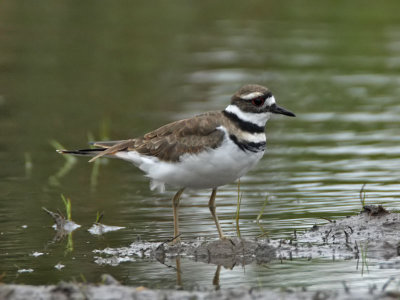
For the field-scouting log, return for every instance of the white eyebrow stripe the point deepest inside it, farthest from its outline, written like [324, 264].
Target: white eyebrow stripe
[251, 95]
[269, 101]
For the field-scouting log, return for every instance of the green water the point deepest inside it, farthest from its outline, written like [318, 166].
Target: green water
[121, 68]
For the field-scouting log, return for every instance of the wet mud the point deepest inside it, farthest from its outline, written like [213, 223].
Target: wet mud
[113, 290]
[227, 252]
[374, 230]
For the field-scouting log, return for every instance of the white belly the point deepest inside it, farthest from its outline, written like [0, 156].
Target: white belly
[207, 169]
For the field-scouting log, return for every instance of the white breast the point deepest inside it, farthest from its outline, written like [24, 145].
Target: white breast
[208, 169]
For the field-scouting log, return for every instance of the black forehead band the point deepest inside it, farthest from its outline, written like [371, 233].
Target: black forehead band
[268, 95]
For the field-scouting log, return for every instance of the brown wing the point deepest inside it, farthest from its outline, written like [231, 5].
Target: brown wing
[170, 141]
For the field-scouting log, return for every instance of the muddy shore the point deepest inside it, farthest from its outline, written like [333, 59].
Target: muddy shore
[342, 239]
[88, 291]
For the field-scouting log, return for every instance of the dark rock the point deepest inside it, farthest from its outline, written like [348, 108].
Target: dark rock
[374, 210]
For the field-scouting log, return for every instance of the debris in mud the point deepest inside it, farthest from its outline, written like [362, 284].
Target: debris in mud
[63, 227]
[25, 271]
[62, 224]
[59, 266]
[37, 254]
[99, 229]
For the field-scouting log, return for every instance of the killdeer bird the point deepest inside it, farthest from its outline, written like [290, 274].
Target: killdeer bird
[206, 151]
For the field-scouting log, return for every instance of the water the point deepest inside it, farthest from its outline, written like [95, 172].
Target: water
[68, 69]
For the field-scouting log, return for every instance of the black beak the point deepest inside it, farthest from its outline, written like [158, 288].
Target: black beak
[280, 110]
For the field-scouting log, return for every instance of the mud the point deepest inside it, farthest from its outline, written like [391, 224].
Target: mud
[374, 230]
[227, 253]
[75, 291]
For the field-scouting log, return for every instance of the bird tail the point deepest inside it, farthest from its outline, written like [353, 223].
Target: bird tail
[83, 152]
[104, 148]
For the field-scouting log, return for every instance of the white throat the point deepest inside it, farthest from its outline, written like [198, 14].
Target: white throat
[260, 119]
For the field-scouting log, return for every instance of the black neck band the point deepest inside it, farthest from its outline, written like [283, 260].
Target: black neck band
[244, 125]
[248, 146]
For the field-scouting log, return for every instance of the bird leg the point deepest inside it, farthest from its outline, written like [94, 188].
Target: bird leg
[211, 206]
[175, 206]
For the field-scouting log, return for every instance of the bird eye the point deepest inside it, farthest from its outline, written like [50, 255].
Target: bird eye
[258, 101]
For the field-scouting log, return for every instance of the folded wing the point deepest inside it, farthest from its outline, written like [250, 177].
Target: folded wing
[170, 142]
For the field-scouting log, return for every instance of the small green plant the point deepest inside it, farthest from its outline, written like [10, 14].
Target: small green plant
[239, 201]
[67, 205]
[83, 278]
[99, 216]
[362, 195]
[264, 232]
